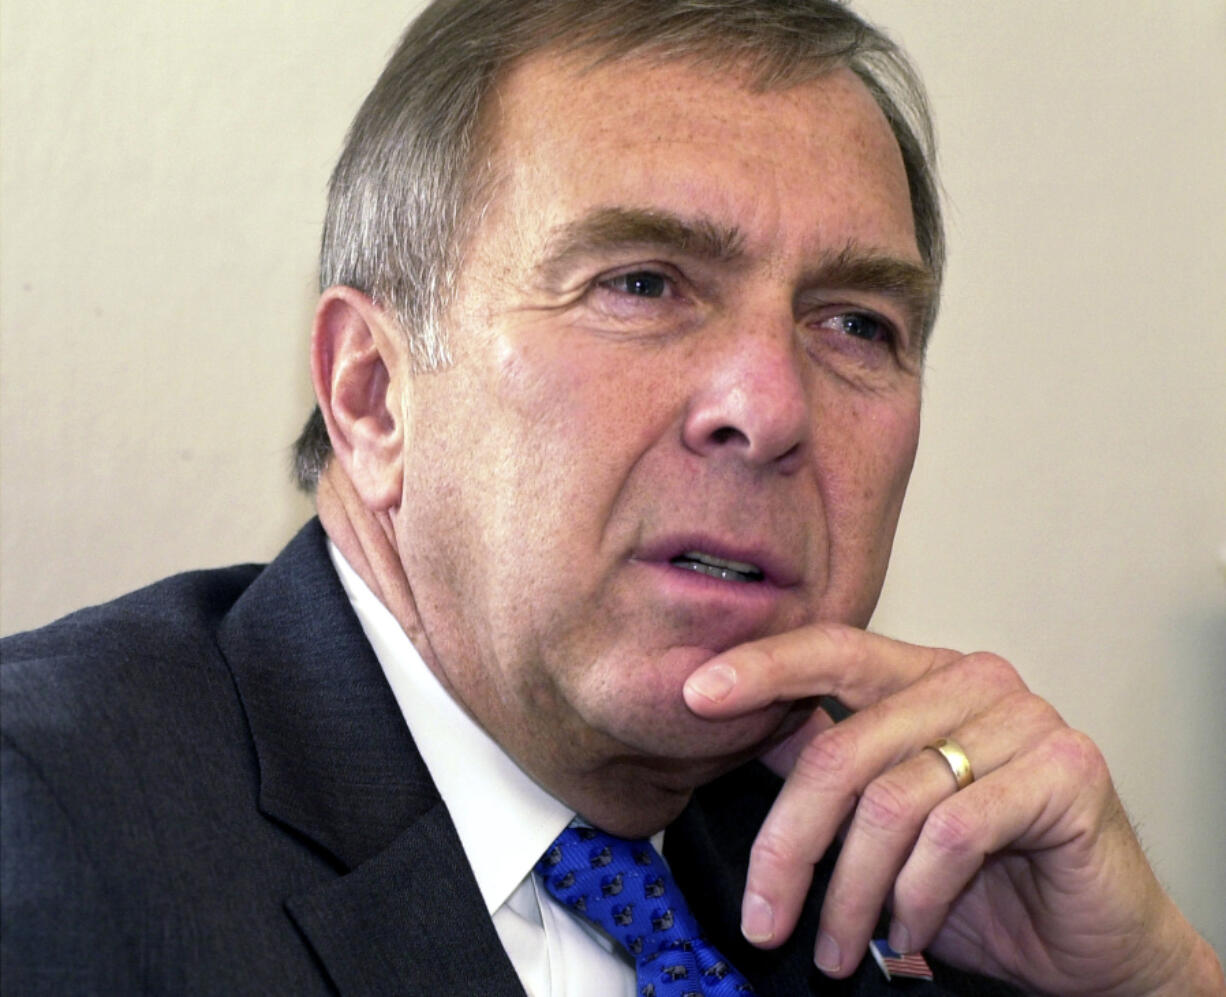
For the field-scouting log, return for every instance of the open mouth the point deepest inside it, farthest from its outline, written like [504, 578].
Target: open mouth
[717, 567]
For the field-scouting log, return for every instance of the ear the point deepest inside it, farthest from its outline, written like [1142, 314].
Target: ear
[358, 364]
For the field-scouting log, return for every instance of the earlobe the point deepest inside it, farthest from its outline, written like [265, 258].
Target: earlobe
[357, 365]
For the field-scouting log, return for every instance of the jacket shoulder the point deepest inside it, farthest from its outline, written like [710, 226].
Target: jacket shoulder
[106, 681]
[136, 856]
[185, 605]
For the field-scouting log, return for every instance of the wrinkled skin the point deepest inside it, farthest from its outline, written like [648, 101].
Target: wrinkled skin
[689, 323]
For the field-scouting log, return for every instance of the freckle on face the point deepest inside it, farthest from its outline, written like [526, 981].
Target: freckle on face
[544, 464]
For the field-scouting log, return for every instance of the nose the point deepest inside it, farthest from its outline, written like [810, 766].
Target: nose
[752, 403]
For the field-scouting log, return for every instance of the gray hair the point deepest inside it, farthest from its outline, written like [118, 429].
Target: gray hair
[414, 176]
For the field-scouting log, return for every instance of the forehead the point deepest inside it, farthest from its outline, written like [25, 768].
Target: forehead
[816, 160]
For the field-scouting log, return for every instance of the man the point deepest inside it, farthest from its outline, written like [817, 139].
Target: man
[618, 365]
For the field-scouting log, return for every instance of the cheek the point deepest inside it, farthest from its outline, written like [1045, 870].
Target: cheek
[870, 445]
[587, 409]
[868, 449]
[897, 429]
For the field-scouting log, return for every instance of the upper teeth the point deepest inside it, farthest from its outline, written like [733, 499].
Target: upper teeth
[718, 567]
[720, 562]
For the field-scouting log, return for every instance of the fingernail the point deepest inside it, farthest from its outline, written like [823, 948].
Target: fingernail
[828, 957]
[757, 919]
[900, 938]
[713, 683]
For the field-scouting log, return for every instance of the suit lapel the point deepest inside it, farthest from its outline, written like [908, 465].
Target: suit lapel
[338, 767]
[336, 762]
[409, 921]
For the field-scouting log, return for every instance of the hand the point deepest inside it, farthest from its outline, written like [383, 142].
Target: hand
[1031, 874]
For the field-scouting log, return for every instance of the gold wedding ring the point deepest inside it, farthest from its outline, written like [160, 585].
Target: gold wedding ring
[955, 758]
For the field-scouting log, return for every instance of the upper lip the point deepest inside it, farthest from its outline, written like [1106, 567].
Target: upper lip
[777, 569]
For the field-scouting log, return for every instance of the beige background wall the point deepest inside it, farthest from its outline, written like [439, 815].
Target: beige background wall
[163, 176]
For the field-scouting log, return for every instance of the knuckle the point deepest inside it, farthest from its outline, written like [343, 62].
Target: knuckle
[1076, 752]
[994, 671]
[1081, 763]
[1040, 712]
[834, 633]
[838, 638]
[774, 852]
[1023, 711]
[938, 659]
[828, 759]
[886, 806]
[951, 831]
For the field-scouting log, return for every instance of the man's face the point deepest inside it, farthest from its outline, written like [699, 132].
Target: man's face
[682, 414]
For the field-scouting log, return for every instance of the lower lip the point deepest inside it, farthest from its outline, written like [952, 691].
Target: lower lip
[697, 590]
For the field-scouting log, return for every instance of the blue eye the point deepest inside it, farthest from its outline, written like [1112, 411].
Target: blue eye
[640, 284]
[862, 326]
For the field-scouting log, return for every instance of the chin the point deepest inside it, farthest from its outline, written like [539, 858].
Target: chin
[640, 707]
[644, 790]
[643, 775]
[637, 811]
[682, 751]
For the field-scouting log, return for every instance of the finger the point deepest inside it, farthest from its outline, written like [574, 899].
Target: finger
[1050, 796]
[854, 666]
[891, 812]
[831, 772]
[782, 757]
[879, 835]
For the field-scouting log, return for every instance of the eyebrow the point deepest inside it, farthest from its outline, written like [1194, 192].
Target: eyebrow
[614, 228]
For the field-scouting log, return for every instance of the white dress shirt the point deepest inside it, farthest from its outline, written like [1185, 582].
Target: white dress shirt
[505, 821]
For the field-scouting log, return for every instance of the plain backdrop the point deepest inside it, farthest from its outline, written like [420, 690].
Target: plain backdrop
[164, 168]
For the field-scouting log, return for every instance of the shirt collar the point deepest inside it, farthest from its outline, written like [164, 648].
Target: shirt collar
[505, 821]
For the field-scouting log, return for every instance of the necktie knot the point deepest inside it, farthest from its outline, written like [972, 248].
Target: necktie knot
[624, 887]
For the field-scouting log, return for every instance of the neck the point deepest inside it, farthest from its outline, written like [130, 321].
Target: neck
[367, 540]
[629, 797]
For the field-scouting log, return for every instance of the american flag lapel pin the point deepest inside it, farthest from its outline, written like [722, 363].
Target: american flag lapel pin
[911, 966]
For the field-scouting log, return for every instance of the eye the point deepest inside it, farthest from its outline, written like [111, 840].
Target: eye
[861, 325]
[639, 284]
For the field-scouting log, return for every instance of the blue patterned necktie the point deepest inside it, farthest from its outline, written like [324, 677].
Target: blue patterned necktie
[625, 888]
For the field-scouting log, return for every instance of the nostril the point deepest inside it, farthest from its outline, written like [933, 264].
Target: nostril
[726, 433]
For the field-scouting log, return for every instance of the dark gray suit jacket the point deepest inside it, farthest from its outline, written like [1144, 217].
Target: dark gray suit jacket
[208, 788]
